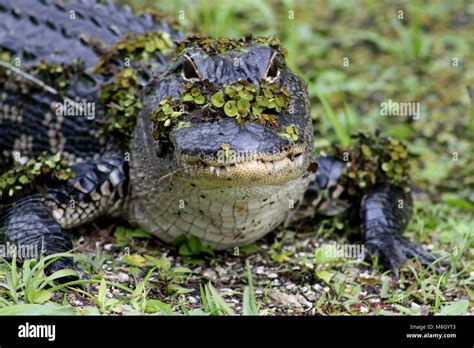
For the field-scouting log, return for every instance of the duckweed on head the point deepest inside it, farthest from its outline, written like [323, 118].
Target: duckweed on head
[246, 103]
[165, 117]
[242, 101]
[215, 46]
[291, 133]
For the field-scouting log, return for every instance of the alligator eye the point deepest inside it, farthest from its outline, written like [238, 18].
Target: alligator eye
[273, 71]
[190, 70]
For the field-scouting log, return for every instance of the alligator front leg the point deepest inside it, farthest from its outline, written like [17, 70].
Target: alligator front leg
[41, 220]
[29, 226]
[385, 211]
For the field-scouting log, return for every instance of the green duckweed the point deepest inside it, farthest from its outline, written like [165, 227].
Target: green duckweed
[242, 101]
[16, 181]
[373, 159]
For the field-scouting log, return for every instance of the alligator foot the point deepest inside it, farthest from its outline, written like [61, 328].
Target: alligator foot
[66, 263]
[385, 212]
[29, 223]
[395, 251]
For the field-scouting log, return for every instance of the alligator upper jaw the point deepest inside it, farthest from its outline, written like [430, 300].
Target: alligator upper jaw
[272, 169]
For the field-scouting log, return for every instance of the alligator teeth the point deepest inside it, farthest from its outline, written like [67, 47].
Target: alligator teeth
[257, 163]
[103, 168]
[277, 164]
[95, 196]
[105, 188]
[58, 213]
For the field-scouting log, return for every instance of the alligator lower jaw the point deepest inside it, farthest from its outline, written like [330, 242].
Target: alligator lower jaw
[248, 173]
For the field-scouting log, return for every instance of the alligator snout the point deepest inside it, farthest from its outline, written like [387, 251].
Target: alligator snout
[211, 141]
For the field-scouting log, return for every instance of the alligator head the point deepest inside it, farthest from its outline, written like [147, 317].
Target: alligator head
[227, 116]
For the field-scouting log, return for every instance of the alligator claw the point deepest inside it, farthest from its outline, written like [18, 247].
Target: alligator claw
[424, 257]
[395, 251]
[67, 263]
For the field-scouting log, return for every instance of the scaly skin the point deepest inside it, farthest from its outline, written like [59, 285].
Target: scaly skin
[175, 183]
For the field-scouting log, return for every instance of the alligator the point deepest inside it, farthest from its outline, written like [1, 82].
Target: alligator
[177, 135]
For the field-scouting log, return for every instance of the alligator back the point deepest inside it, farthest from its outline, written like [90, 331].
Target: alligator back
[73, 36]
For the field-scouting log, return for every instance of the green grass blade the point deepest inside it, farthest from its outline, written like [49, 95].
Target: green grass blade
[249, 302]
[341, 132]
[216, 302]
[57, 275]
[37, 309]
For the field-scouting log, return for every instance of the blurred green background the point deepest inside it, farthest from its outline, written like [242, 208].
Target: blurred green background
[403, 51]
